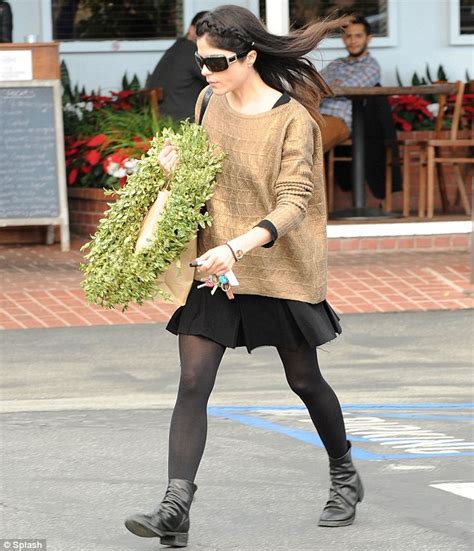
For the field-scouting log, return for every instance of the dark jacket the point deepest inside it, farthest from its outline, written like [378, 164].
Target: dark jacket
[6, 22]
[379, 128]
[179, 76]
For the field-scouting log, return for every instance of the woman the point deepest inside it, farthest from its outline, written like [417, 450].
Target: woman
[269, 228]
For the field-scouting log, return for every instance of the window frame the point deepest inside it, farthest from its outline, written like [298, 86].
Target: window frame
[455, 36]
[106, 46]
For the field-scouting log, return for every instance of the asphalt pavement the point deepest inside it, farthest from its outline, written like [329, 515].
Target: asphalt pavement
[85, 414]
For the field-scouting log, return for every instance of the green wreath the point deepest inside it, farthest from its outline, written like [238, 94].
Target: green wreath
[115, 275]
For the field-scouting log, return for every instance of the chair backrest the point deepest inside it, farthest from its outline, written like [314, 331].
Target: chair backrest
[457, 110]
[467, 115]
[450, 109]
[155, 96]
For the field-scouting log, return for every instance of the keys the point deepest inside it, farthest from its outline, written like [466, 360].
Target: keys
[208, 283]
[227, 290]
[213, 282]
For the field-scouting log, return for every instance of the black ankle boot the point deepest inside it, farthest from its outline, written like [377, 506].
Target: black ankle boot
[345, 492]
[170, 520]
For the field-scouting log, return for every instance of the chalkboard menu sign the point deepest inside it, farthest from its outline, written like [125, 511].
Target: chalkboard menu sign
[32, 174]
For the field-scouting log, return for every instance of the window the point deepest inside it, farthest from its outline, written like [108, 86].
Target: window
[375, 11]
[461, 22]
[83, 20]
[466, 16]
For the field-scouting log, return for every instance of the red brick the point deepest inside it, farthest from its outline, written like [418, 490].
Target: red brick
[349, 244]
[406, 242]
[388, 243]
[334, 245]
[424, 242]
[368, 244]
[11, 325]
[442, 241]
[460, 240]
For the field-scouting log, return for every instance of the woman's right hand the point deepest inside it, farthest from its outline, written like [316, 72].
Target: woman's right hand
[168, 157]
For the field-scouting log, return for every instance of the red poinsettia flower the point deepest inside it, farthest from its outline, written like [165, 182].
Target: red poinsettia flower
[123, 94]
[71, 142]
[72, 177]
[97, 140]
[405, 125]
[118, 156]
[141, 143]
[409, 109]
[85, 168]
[92, 157]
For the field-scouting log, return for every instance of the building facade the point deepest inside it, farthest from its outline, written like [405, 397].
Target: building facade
[100, 47]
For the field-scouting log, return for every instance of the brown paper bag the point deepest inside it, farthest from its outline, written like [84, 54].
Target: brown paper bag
[175, 281]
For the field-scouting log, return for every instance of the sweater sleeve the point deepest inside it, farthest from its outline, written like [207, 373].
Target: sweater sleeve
[294, 185]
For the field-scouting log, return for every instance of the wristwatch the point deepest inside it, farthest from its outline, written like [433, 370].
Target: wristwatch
[236, 253]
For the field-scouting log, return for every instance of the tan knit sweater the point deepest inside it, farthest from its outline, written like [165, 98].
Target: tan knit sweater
[273, 170]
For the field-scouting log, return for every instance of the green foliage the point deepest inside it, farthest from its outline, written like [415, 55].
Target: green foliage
[415, 81]
[399, 79]
[135, 84]
[115, 274]
[441, 74]
[428, 74]
[68, 96]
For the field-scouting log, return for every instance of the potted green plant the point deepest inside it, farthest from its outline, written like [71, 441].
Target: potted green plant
[105, 136]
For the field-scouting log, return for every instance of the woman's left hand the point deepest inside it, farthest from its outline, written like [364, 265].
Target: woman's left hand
[216, 261]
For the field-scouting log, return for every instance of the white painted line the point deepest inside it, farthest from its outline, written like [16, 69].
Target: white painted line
[445, 280]
[463, 489]
[410, 438]
[411, 467]
[399, 229]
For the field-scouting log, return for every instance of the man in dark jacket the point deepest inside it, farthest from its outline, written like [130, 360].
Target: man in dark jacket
[6, 22]
[179, 76]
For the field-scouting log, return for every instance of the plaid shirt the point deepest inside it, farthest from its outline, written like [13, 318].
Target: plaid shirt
[363, 71]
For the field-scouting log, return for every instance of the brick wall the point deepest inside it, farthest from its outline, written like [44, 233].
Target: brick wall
[86, 208]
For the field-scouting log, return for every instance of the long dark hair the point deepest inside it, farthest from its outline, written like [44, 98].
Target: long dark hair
[280, 62]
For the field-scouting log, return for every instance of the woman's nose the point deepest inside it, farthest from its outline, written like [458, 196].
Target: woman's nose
[205, 71]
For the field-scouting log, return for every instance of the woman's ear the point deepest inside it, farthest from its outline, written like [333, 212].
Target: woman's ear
[251, 58]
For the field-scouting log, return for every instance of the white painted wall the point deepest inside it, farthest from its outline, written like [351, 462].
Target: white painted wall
[26, 19]
[422, 36]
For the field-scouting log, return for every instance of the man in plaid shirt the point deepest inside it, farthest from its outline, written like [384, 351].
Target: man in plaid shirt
[359, 68]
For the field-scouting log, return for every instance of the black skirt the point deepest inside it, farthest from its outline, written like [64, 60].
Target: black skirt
[253, 321]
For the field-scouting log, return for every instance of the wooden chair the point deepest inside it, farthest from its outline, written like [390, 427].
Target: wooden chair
[154, 96]
[434, 157]
[331, 159]
[414, 154]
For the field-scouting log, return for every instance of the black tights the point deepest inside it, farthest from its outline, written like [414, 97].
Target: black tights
[200, 359]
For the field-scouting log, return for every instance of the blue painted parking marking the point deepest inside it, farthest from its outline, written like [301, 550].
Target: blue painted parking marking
[374, 429]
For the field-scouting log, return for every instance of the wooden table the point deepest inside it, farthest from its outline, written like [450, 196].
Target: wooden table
[358, 97]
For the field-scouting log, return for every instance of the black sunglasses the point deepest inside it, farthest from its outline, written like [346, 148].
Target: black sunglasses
[217, 63]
